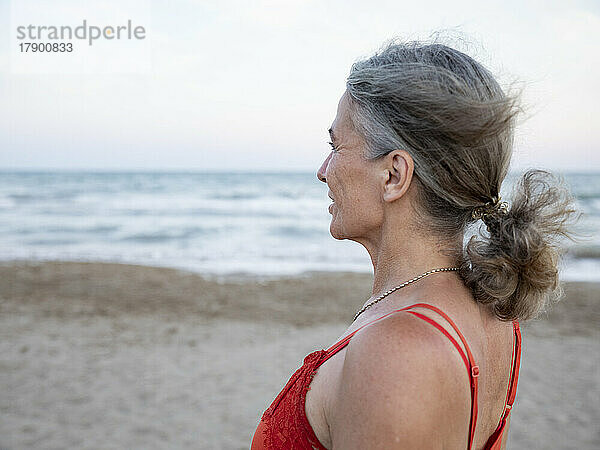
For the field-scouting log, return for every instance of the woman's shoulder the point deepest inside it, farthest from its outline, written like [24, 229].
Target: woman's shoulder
[406, 333]
[402, 343]
[397, 384]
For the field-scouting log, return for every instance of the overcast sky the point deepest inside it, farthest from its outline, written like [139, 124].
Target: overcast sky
[254, 85]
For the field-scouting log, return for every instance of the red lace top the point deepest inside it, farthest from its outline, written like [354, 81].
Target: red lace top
[284, 424]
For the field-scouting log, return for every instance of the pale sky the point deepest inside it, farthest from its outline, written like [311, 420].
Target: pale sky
[254, 85]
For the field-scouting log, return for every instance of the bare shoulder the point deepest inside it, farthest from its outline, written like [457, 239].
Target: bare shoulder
[400, 387]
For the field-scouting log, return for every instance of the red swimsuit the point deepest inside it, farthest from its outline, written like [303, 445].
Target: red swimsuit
[284, 424]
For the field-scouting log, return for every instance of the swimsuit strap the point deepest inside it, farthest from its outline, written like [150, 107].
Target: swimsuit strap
[472, 367]
[495, 440]
[515, 364]
[343, 342]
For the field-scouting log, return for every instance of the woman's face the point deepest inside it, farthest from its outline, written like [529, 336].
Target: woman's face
[354, 182]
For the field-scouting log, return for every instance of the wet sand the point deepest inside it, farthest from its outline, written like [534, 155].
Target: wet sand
[97, 355]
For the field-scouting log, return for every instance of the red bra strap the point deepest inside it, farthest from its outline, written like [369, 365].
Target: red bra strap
[514, 378]
[443, 330]
[495, 439]
[449, 320]
[472, 368]
[343, 342]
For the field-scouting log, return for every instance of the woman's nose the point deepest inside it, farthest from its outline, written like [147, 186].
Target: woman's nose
[323, 169]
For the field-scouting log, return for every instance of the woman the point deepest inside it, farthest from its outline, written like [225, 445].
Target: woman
[421, 143]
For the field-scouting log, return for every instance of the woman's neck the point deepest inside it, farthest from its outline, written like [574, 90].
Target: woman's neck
[398, 258]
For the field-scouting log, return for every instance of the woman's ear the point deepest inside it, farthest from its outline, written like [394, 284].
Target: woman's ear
[399, 168]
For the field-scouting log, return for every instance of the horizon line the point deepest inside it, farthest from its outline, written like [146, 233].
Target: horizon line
[221, 171]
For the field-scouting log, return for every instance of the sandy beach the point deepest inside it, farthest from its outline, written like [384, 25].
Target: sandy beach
[114, 356]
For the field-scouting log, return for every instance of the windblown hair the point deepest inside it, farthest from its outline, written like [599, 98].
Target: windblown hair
[454, 119]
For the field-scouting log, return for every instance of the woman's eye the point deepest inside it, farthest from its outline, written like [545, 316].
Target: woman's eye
[332, 147]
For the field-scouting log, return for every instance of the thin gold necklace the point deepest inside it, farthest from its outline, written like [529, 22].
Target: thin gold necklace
[417, 278]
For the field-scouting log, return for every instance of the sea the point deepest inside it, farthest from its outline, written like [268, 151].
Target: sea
[255, 224]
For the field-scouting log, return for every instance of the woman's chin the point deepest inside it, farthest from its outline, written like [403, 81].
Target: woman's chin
[335, 233]
[333, 228]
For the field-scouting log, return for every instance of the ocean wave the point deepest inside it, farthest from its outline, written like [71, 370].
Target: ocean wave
[26, 197]
[173, 234]
[235, 196]
[65, 229]
[584, 252]
[298, 231]
[587, 195]
[51, 241]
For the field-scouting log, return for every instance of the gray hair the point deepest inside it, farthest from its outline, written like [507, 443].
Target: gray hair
[454, 119]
